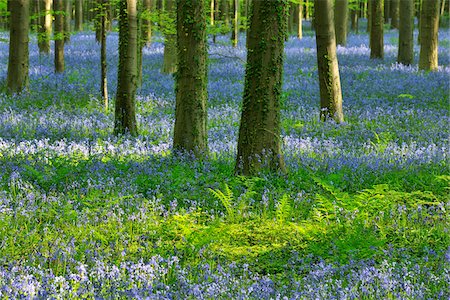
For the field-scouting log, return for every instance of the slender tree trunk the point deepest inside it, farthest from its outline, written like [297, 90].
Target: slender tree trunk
[429, 25]
[190, 132]
[67, 20]
[18, 61]
[259, 142]
[406, 41]
[125, 111]
[58, 8]
[329, 80]
[368, 9]
[78, 15]
[146, 31]
[341, 21]
[354, 19]
[225, 13]
[376, 32]
[212, 17]
[235, 29]
[443, 7]
[387, 11]
[103, 58]
[45, 29]
[395, 11]
[418, 13]
[170, 42]
[300, 20]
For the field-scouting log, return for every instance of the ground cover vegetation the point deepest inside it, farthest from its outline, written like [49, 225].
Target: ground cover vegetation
[362, 212]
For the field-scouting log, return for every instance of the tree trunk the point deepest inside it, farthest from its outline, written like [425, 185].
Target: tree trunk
[341, 21]
[429, 25]
[406, 41]
[300, 20]
[58, 8]
[146, 31]
[18, 61]
[103, 59]
[125, 111]
[67, 20]
[78, 15]
[395, 7]
[259, 142]
[45, 28]
[170, 42]
[327, 63]
[387, 11]
[368, 7]
[354, 19]
[190, 133]
[235, 29]
[225, 13]
[376, 32]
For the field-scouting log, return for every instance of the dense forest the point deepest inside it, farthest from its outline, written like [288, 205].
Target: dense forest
[224, 149]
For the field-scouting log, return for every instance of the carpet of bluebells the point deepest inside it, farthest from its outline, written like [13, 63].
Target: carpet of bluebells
[362, 213]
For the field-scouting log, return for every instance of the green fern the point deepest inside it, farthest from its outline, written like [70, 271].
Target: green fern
[226, 198]
[283, 211]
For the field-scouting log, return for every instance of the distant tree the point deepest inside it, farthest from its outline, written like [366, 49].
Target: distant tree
[406, 41]
[146, 28]
[300, 20]
[104, 6]
[376, 31]
[395, 13]
[259, 142]
[341, 21]
[125, 111]
[170, 39]
[429, 25]
[58, 8]
[78, 15]
[329, 80]
[387, 11]
[235, 23]
[354, 12]
[18, 73]
[67, 20]
[190, 132]
[45, 27]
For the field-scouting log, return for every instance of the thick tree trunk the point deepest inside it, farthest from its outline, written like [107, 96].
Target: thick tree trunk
[58, 8]
[329, 80]
[235, 27]
[45, 28]
[78, 15]
[103, 59]
[429, 25]
[259, 142]
[395, 11]
[341, 21]
[376, 32]
[125, 111]
[170, 42]
[190, 132]
[18, 61]
[406, 41]
[67, 20]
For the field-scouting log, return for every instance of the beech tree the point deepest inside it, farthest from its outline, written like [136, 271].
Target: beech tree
[18, 61]
[429, 25]
[259, 142]
[79, 15]
[329, 80]
[190, 132]
[395, 13]
[67, 20]
[170, 40]
[58, 7]
[125, 111]
[45, 25]
[341, 21]
[376, 30]
[405, 40]
[235, 23]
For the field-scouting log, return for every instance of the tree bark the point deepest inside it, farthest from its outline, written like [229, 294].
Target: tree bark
[395, 7]
[376, 32]
[18, 61]
[146, 31]
[387, 11]
[45, 28]
[170, 41]
[190, 133]
[58, 8]
[354, 19]
[78, 15]
[429, 25]
[327, 63]
[235, 29]
[103, 58]
[259, 142]
[406, 41]
[300, 20]
[341, 21]
[67, 20]
[125, 111]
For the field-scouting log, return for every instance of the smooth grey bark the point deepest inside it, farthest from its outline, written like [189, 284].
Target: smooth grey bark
[45, 28]
[429, 26]
[78, 15]
[376, 31]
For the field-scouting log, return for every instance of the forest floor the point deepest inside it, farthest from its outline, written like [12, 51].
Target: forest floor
[362, 212]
